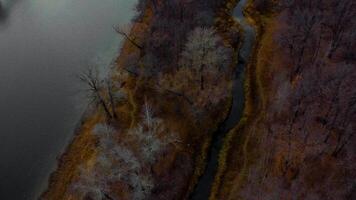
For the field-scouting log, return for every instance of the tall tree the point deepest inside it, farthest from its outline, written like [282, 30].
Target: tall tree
[204, 51]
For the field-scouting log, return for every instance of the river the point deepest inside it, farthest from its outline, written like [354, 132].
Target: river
[203, 187]
[43, 45]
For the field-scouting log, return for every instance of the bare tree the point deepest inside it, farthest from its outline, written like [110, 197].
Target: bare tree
[303, 35]
[342, 14]
[103, 93]
[117, 162]
[348, 53]
[110, 87]
[92, 185]
[305, 22]
[204, 50]
[96, 91]
[147, 113]
[125, 32]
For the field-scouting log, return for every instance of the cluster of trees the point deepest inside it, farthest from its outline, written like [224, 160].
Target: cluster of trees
[307, 141]
[318, 38]
[318, 27]
[171, 21]
[103, 92]
[184, 56]
[127, 160]
[202, 76]
[182, 51]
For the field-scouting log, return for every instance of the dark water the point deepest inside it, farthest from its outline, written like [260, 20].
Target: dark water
[203, 188]
[43, 44]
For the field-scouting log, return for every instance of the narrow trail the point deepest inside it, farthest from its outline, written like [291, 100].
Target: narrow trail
[203, 187]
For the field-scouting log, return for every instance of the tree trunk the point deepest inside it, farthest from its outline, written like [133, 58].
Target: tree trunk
[106, 109]
[154, 5]
[112, 103]
[107, 196]
[202, 77]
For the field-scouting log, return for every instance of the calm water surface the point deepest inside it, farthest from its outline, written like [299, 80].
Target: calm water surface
[43, 45]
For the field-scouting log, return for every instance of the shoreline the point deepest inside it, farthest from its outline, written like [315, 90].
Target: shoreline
[249, 106]
[79, 148]
[74, 152]
[88, 111]
[254, 107]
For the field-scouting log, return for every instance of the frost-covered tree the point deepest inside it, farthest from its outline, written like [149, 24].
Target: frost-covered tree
[147, 113]
[103, 130]
[204, 50]
[92, 185]
[152, 135]
[142, 186]
[202, 79]
[105, 134]
[125, 161]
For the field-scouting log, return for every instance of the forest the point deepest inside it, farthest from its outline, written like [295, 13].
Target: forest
[150, 129]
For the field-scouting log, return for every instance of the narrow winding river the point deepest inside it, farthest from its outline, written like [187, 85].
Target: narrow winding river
[202, 190]
[43, 45]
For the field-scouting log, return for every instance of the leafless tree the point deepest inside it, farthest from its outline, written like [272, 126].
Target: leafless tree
[305, 23]
[101, 92]
[348, 53]
[92, 185]
[95, 88]
[125, 32]
[303, 35]
[342, 14]
[110, 87]
[204, 50]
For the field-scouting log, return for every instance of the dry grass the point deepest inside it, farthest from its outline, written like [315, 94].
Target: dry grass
[239, 150]
[81, 150]
[83, 146]
[195, 139]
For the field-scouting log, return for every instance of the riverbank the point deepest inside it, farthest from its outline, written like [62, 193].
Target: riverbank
[277, 151]
[230, 145]
[82, 149]
[184, 163]
[52, 100]
[237, 152]
[205, 187]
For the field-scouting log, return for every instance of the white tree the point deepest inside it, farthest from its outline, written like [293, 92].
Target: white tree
[119, 161]
[204, 50]
[103, 130]
[92, 185]
[152, 135]
[147, 114]
[142, 186]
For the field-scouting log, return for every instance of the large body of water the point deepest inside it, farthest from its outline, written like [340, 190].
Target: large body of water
[43, 45]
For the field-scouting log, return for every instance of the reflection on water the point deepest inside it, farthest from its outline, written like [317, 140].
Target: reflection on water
[3, 13]
[5, 9]
[43, 44]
